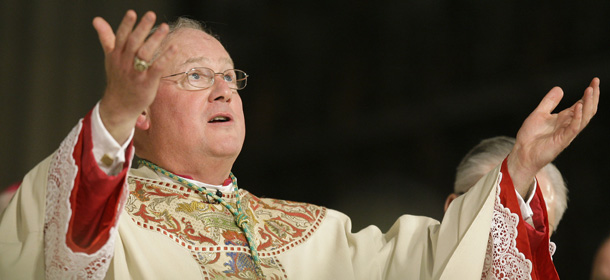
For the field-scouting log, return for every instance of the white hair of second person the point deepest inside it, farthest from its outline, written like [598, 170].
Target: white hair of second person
[488, 154]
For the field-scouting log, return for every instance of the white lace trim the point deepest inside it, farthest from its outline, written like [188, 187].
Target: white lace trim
[60, 261]
[503, 259]
[552, 248]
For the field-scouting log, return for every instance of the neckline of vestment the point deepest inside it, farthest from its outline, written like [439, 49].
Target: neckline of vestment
[223, 188]
[241, 218]
[150, 176]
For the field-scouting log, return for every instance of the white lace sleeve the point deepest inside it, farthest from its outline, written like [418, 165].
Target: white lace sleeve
[503, 259]
[60, 261]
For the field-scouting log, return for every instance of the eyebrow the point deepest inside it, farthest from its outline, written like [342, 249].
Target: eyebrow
[205, 59]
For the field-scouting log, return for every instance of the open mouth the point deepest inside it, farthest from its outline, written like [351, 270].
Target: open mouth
[219, 119]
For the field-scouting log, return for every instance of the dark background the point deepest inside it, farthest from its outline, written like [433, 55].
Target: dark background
[362, 106]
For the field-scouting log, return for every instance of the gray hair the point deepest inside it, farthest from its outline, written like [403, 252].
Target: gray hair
[488, 154]
[561, 192]
[481, 159]
[181, 23]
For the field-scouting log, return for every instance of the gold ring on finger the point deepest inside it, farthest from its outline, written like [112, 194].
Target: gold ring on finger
[140, 64]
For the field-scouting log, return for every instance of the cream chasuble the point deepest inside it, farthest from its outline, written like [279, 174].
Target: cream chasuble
[163, 230]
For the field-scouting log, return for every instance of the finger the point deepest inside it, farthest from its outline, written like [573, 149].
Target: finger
[125, 29]
[596, 92]
[589, 108]
[590, 101]
[139, 34]
[576, 124]
[163, 61]
[594, 83]
[550, 100]
[147, 50]
[105, 34]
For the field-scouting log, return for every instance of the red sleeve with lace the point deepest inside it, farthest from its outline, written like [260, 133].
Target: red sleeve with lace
[533, 242]
[95, 198]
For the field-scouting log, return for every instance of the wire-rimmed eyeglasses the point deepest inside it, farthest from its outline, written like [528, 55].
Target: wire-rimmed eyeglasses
[203, 77]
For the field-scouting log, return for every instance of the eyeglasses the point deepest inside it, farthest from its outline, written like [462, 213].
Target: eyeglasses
[203, 77]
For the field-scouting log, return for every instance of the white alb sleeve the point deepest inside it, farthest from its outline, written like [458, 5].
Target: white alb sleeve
[524, 205]
[108, 153]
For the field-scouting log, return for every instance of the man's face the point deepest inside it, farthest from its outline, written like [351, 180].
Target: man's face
[191, 122]
[549, 198]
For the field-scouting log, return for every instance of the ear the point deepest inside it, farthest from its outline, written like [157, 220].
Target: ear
[449, 199]
[143, 121]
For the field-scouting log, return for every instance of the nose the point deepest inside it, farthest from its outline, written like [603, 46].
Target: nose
[220, 90]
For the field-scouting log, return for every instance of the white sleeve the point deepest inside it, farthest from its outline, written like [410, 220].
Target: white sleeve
[108, 153]
[526, 210]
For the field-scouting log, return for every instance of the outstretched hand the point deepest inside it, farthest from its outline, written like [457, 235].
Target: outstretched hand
[544, 135]
[129, 91]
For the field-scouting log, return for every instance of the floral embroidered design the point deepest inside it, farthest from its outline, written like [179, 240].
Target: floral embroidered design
[503, 259]
[209, 232]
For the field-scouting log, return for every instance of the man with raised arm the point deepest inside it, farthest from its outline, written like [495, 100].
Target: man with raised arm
[84, 212]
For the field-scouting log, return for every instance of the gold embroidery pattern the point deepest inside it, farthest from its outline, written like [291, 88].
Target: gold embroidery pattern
[209, 232]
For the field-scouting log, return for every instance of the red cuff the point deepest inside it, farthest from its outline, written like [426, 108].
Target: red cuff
[95, 196]
[532, 242]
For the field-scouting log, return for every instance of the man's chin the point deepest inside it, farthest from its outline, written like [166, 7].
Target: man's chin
[224, 151]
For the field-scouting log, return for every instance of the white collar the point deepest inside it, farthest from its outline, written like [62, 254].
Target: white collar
[224, 189]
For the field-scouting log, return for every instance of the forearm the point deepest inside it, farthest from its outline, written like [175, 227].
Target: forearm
[522, 176]
[117, 121]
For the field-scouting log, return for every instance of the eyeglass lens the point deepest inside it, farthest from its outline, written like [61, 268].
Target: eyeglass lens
[203, 77]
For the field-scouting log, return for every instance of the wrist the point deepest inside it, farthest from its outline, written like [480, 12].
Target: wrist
[522, 177]
[116, 121]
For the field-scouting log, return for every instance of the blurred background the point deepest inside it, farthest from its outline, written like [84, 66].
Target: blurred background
[366, 107]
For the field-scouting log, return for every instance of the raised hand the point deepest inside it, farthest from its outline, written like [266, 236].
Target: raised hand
[130, 91]
[544, 135]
